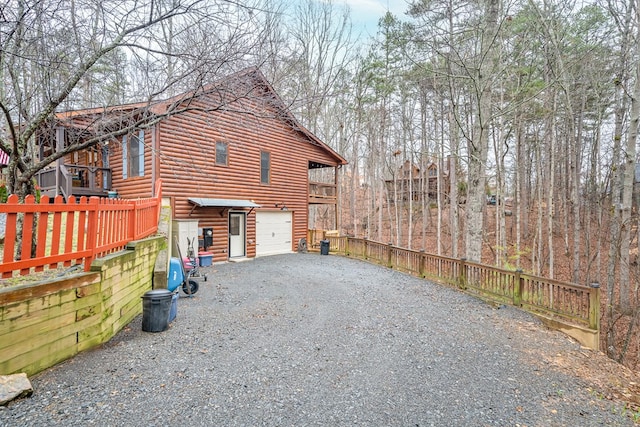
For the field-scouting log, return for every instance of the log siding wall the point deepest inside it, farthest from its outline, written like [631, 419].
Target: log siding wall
[133, 186]
[185, 159]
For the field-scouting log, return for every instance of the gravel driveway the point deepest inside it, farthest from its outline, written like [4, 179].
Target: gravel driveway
[311, 340]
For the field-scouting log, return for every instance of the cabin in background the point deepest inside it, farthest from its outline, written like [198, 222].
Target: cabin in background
[234, 161]
[412, 183]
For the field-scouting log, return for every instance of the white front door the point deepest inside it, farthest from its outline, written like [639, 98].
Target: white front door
[237, 234]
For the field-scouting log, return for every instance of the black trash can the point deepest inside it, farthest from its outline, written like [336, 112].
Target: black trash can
[156, 306]
[324, 247]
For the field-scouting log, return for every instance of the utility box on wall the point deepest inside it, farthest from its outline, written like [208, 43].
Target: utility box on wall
[207, 238]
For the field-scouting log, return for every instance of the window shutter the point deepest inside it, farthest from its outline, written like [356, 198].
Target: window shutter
[125, 167]
[141, 152]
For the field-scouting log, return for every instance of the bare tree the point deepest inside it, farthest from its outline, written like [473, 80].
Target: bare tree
[49, 49]
[624, 20]
[478, 144]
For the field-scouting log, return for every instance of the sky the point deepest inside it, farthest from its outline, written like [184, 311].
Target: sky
[366, 13]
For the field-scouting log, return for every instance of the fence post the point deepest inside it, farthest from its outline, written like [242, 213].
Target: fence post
[133, 221]
[346, 246]
[27, 232]
[594, 306]
[421, 265]
[389, 250]
[517, 288]
[365, 250]
[92, 231]
[462, 274]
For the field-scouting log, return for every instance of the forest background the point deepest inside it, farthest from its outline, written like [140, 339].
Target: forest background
[534, 102]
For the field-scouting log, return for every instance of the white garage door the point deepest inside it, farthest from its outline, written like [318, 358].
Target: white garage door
[273, 233]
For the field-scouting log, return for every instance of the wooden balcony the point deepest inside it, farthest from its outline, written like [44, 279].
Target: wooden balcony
[75, 180]
[322, 193]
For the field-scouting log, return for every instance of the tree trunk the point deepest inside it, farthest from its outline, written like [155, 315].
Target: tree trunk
[575, 195]
[550, 185]
[621, 102]
[479, 144]
[628, 171]
[518, 186]
[537, 244]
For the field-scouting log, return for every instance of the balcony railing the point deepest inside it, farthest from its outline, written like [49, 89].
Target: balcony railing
[75, 180]
[322, 193]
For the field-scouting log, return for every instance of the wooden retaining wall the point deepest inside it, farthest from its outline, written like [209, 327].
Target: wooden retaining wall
[44, 323]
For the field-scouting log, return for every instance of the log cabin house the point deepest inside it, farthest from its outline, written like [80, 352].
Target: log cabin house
[411, 182]
[233, 160]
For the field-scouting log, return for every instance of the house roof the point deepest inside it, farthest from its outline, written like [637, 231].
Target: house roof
[101, 110]
[218, 88]
[276, 101]
[222, 203]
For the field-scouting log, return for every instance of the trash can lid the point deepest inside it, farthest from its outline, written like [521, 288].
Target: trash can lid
[158, 293]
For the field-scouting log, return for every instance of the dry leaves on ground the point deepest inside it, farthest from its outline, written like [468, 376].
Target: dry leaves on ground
[605, 377]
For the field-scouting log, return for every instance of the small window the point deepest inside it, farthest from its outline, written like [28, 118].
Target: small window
[265, 167]
[133, 155]
[234, 225]
[222, 157]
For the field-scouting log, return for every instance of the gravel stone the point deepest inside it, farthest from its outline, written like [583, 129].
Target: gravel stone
[311, 340]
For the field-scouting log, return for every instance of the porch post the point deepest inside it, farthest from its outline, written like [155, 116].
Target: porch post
[337, 205]
[60, 161]
[155, 159]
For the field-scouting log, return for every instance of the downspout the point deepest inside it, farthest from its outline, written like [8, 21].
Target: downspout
[155, 159]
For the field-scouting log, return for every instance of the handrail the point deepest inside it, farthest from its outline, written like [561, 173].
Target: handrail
[322, 190]
[65, 181]
[74, 179]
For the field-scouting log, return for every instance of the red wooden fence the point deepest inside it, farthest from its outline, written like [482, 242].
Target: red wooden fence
[72, 232]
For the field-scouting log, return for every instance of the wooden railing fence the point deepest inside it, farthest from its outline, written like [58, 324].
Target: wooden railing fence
[55, 233]
[74, 179]
[321, 191]
[568, 302]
